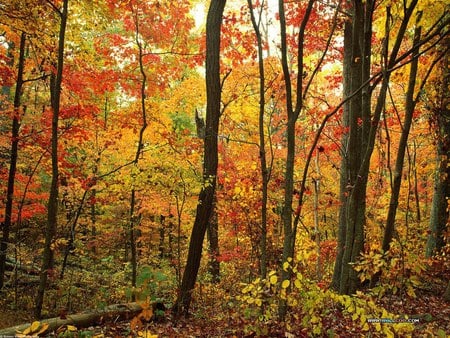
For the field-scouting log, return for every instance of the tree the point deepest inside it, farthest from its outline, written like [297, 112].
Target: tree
[362, 121]
[140, 146]
[6, 225]
[52, 211]
[265, 172]
[210, 157]
[439, 219]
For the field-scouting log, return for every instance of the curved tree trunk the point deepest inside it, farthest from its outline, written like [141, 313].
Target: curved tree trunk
[206, 196]
[52, 208]
[133, 217]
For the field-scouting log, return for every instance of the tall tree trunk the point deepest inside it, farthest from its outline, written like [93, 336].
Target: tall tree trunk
[6, 226]
[409, 110]
[293, 112]
[344, 172]
[439, 220]
[207, 193]
[362, 135]
[52, 208]
[262, 141]
[133, 218]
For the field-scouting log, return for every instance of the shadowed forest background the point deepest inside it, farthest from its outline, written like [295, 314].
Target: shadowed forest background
[225, 168]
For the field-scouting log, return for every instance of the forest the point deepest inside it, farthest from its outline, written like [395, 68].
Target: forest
[218, 168]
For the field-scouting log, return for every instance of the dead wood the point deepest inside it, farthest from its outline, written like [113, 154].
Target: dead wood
[81, 320]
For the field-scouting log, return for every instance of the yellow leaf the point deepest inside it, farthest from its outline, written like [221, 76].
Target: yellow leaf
[363, 319]
[34, 326]
[285, 266]
[71, 328]
[43, 329]
[285, 284]
[273, 279]
[365, 327]
[147, 334]
[258, 302]
[237, 190]
[378, 327]
[297, 284]
[388, 332]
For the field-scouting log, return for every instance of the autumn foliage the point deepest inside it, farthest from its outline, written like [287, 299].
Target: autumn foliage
[132, 109]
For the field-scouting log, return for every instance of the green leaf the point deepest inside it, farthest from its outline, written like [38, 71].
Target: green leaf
[441, 333]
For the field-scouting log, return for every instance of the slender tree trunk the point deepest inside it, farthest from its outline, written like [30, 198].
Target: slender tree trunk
[410, 104]
[71, 236]
[344, 172]
[6, 226]
[52, 208]
[133, 218]
[316, 182]
[262, 141]
[207, 193]
[293, 112]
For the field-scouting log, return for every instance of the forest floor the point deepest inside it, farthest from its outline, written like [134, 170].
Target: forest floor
[207, 320]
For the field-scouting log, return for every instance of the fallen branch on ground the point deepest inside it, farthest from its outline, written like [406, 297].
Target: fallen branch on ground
[81, 320]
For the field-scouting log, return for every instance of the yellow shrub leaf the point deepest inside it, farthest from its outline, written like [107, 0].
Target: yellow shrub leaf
[273, 279]
[71, 328]
[285, 284]
[388, 332]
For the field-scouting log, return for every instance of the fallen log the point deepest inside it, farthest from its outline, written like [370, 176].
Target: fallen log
[81, 320]
[12, 264]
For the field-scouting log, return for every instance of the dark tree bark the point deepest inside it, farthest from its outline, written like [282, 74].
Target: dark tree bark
[352, 211]
[409, 110]
[293, 111]
[207, 193]
[439, 220]
[133, 218]
[363, 125]
[262, 141]
[6, 225]
[52, 208]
